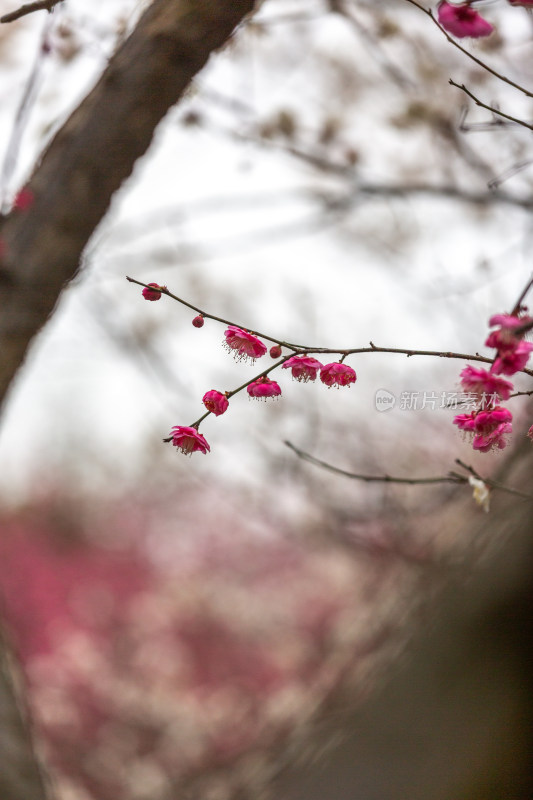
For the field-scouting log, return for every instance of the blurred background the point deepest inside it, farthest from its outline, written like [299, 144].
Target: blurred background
[196, 627]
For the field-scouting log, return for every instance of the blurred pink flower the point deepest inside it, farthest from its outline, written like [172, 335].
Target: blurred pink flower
[466, 422]
[526, 3]
[216, 402]
[505, 336]
[485, 383]
[263, 388]
[463, 21]
[245, 345]
[530, 433]
[23, 200]
[303, 368]
[337, 374]
[496, 439]
[512, 360]
[152, 294]
[489, 427]
[188, 440]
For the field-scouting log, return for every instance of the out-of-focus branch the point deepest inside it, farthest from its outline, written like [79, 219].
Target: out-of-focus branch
[474, 58]
[29, 8]
[492, 109]
[20, 775]
[94, 153]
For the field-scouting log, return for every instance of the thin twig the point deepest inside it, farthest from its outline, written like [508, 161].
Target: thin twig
[29, 8]
[478, 61]
[493, 110]
[492, 484]
[301, 349]
[451, 477]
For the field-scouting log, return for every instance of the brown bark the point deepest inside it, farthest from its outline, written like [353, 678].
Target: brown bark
[93, 153]
[454, 720]
[86, 162]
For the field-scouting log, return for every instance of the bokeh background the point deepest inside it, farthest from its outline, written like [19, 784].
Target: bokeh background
[183, 624]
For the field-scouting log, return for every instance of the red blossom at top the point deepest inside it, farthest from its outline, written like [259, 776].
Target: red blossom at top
[337, 374]
[153, 294]
[23, 200]
[216, 402]
[526, 3]
[188, 440]
[303, 368]
[484, 383]
[245, 345]
[263, 388]
[463, 21]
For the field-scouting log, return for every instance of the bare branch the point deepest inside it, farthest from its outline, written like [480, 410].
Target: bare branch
[492, 109]
[29, 8]
[478, 61]
[93, 153]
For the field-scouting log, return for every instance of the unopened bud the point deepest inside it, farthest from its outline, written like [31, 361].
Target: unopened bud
[275, 351]
[198, 321]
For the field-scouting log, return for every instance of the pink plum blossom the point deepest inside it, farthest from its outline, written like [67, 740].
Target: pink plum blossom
[512, 360]
[216, 402]
[152, 294]
[245, 345]
[263, 388]
[530, 433]
[506, 335]
[463, 20]
[496, 439]
[303, 368]
[488, 427]
[188, 440]
[484, 383]
[337, 374]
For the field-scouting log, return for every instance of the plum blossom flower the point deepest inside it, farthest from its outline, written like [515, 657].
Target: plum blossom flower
[216, 402]
[495, 439]
[506, 336]
[337, 374]
[263, 388]
[513, 360]
[303, 368]
[188, 440]
[463, 20]
[245, 345]
[488, 427]
[530, 433]
[485, 384]
[152, 294]
[513, 351]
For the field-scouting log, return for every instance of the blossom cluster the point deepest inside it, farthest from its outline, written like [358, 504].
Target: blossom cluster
[489, 424]
[462, 20]
[245, 346]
